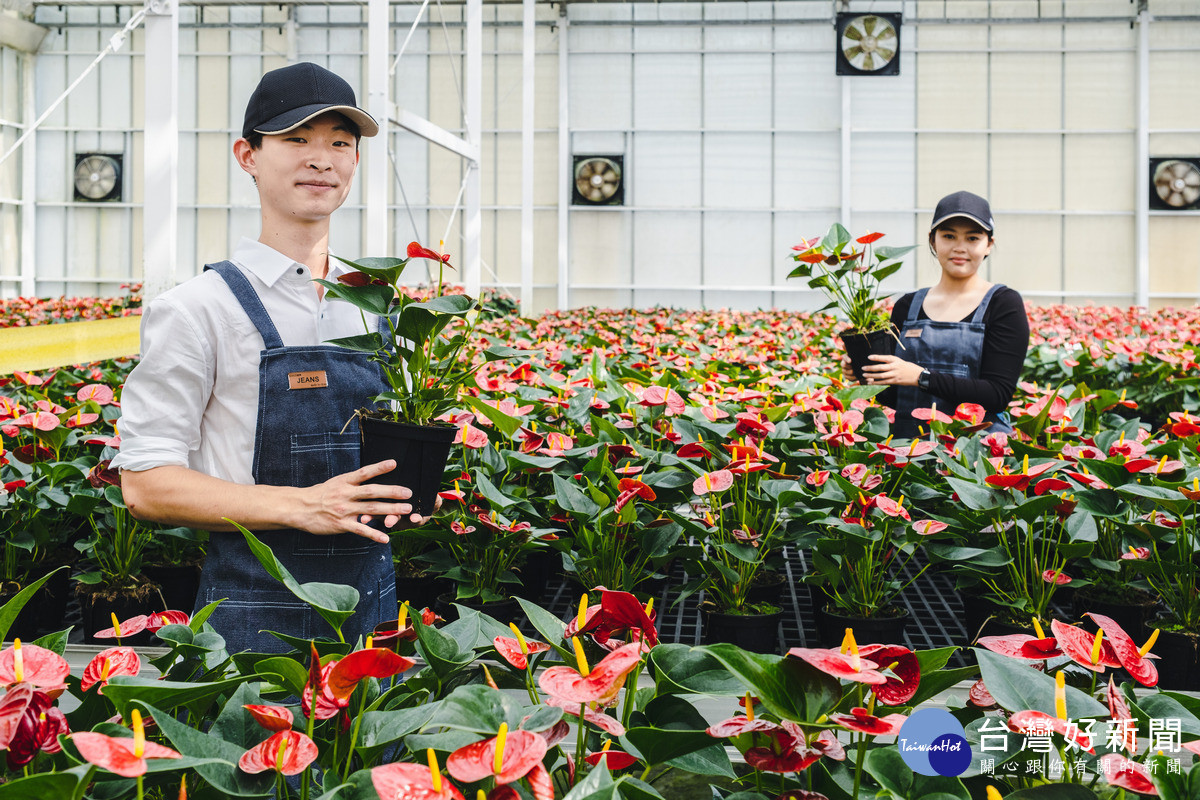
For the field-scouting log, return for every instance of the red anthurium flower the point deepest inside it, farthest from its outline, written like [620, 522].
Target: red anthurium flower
[927, 414]
[31, 724]
[388, 634]
[27, 378]
[789, 751]
[928, 527]
[902, 684]
[717, 481]
[1025, 721]
[1140, 668]
[593, 716]
[600, 685]
[37, 666]
[817, 478]
[859, 719]
[510, 650]
[1119, 709]
[288, 752]
[127, 628]
[373, 662]
[662, 396]
[869, 238]
[1054, 576]
[1022, 645]
[161, 619]
[1079, 644]
[850, 667]
[1017, 480]
[101, 475]
[273, 718]
[613, 759]
[122, 756]
[742, 452]
[693, 450]
[1125, 774]
[327, 705]
[1050, 485]
[411, 782]
[970, 412]
[736, 726]
[415, 250]
[618, 615]
[631, 488]
[997, 443]
[520, 752]
[1136, 554]
[360, 279]
[1141, 464]
[980, 696]
[109, 663]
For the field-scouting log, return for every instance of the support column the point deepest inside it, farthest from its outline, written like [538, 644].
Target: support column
[160, 218]
[472, 196]
[28, 254]
[564, 164]
[1141, 204]
[528, 50]
[845, 160]
[376, 173]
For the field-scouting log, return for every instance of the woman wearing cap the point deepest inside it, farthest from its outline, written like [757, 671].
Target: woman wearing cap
[962, 340]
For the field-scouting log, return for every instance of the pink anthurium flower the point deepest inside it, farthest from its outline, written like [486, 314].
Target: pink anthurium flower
[859, 719]
[1125, 774]
[1140, 668]
[1080, 646]
[928, 527]
[273, 718]
[412, 782]
[129, 627]
[122, 756]
[516, 655]
[101, 393]
[161, 619]
[288, 752]
[1056, 577]
[1118, 709]
[600, 685]
[1022, 645]
[108, 664]
[520, 752]
[1024, 721]
[927, 414]
[736, 726]
[37, 666]
[841, 665]
[717, 481]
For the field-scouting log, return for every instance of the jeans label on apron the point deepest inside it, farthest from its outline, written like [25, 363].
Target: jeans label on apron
[307, 380]
[914, 333]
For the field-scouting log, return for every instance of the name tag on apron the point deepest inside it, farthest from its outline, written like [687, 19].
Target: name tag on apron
[914, 333]
[307, 380]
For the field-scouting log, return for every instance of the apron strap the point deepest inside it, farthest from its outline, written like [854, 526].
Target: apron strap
[914, 309]
[981, 309]
[250, 301]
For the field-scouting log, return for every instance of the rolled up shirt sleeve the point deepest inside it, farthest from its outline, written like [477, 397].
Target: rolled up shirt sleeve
[164, 398]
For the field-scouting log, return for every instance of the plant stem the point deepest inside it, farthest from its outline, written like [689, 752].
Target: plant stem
[362, 703]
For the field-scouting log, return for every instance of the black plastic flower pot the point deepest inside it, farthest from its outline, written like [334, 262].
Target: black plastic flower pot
[27, 624]
[178, 584]
[861, 345]
[886, 628]
[767, 587]
[420, 452]
[758, 633]
[421, 591]
[97, 613]
[1178, 660]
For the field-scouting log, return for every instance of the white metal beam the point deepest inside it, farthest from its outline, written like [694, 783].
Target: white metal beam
[160, 220]
[438, 135]
[376, 175]
[473, 79]
[564, 165]
[28, 195]
[528, 45]
[1141, 202]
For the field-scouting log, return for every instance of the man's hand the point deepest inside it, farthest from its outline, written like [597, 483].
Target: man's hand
[891, 370]
[848, 376]
[342, 503]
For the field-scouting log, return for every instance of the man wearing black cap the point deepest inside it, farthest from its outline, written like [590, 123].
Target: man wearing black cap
[239, 410]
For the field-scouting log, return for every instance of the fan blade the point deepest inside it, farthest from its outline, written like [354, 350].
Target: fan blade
[852, 53]
[868, 62]
[851, 31]
[868, 24]
[885, 54]
[1191, 194]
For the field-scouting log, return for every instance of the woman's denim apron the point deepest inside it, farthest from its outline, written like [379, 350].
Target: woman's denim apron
[955, 348]
[299, 442]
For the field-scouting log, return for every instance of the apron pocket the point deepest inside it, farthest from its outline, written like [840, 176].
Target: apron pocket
[317, 457]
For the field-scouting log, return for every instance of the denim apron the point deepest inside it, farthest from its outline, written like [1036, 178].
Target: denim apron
[299, 442]
[955, 348]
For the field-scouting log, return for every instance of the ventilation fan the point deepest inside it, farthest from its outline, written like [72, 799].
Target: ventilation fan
[1175, 183]
[599, 181]
[868, 44]
[98, 176]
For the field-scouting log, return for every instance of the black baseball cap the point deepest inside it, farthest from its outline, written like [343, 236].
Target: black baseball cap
[964, 204]
[290, 96]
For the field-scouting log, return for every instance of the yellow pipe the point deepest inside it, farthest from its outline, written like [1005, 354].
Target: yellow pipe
[41, 347]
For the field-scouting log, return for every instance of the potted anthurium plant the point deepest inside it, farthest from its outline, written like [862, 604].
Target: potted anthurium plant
[850, 273]
[424, 349]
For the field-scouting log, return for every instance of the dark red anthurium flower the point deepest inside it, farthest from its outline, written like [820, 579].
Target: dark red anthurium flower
[12, 706]
[161, 619]
[613, 759]
[859, 719]
[1079, 645]
[520, 753]
[37, 666]
[360, 279]
[1022, 645]
[109, 663]
[1140, 668]
[273, 718]
[373, 662]
[902, 684]
[38, 726]
[1018, 481]
[411, 782]
[288, 752]
[391, 633]
[618, 614]
[980, 697]
[1125, 774]
[416, 250]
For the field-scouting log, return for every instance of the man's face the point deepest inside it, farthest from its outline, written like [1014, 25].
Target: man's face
[305, 173]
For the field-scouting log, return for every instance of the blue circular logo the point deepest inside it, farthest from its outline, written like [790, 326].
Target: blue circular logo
[932, 742]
